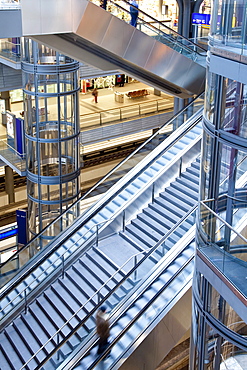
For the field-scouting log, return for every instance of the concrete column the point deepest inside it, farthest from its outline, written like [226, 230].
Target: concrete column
[9, 184]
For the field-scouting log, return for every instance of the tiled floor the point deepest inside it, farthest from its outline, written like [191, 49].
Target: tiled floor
[106, 98]
[106, 101]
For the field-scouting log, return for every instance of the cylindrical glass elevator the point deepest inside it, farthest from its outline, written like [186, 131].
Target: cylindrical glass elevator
[52, 134]
[219, 322]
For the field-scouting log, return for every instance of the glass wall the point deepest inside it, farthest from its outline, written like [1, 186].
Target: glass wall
[52, 133]
[228, 23]
[218, 339]
[218, 336]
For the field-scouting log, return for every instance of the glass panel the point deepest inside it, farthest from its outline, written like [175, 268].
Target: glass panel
[67, 114]
[228, 23]
[66, 82]
[223, 242]
[48, 109]
[234, 120]
[220, 353]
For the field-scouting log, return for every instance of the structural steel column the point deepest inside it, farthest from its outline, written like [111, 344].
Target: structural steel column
[52, 135]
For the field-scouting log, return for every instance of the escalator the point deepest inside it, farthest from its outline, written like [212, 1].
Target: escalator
[155, 55]
[126, 245]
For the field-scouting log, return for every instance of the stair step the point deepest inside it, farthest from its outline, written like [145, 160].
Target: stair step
[186, 190]
[108, 263]
[133, 243]
[152, 223]
[179, 195]
[147, 230]
[165, 213]
[61, 309]
[141, 239]
[153, 214]
[53, 319]
[168, 197]
[20, 350]
[174, 209]
[9, 356]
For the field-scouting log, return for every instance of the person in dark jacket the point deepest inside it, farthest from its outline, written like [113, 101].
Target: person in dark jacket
[95, 95]
[133, 13]
[103, 4]
[103, 329]
[122, 80]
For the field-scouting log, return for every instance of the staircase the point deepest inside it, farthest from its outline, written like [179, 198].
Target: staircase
[79, 285]
[153, 299]
[49, 312]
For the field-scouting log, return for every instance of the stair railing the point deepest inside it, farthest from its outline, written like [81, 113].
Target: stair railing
[147, 253]
[87, 236]
[140, 313]
[171, 35]
[122, 333]
[71, 214]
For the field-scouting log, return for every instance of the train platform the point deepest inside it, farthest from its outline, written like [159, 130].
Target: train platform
[106, 100]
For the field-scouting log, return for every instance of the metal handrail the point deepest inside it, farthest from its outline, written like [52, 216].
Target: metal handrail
[44, 257]
[160, 23]
[4, 141]
[82, 237]
[118, 110]
[53, 263]
[147, 253]
[169, 122]
[140, 313]
[222, 220]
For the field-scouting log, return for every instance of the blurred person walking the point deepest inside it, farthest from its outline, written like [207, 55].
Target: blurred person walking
[103, 329]
[95, 95]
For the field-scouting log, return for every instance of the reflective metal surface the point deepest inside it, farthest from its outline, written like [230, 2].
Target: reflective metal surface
[92, 35]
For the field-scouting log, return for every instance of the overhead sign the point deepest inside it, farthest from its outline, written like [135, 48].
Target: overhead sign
[199, 18]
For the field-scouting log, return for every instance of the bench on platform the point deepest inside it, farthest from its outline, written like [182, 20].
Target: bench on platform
[137, 93]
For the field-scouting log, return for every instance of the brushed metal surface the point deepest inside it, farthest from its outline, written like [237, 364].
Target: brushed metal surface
[159, 60]
[115, 44]
[94, 23]
[10, 23]
[139, 48]
[107, 42]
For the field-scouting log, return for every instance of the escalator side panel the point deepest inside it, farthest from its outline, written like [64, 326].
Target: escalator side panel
[108, 38]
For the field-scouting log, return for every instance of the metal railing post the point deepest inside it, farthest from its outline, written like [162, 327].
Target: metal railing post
[100, 119]
[153, 193]
[62, 266]
[123, 220]
[97, 236]
[135, 272]
[25, 298]
[139, 109]
[180, 166]
[58, 345]
[163, 247]
[99, 297]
